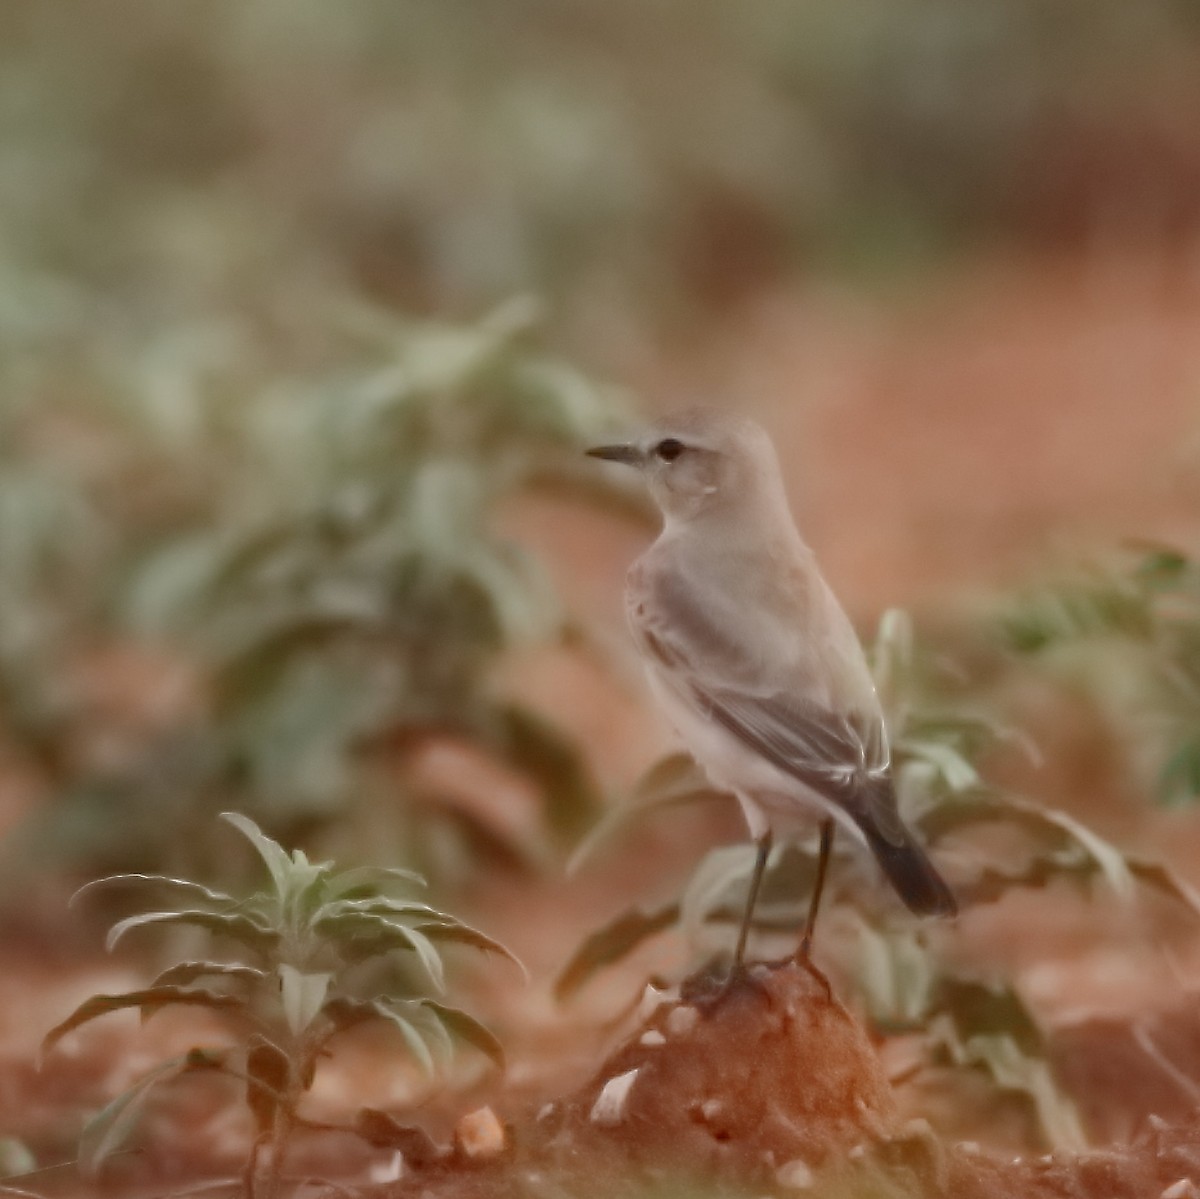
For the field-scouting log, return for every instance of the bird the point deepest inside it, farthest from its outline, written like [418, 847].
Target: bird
[755, 662]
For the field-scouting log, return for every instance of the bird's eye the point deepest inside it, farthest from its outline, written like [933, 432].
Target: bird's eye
[669, 449]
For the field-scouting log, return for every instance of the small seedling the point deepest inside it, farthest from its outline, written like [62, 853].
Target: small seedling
[303, 942]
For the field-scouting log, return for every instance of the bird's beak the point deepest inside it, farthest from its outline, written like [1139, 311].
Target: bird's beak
[629, 454]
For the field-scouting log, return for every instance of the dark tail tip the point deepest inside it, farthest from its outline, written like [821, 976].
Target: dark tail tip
[913, 876]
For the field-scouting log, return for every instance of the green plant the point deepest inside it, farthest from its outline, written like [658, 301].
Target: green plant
[319, 550]
[309, 951]
[471, 153]
[1125, 635]
[969, 1021]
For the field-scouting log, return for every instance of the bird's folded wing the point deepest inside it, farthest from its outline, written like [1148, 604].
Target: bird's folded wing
[827, 752]
[842, 755]
[820, 748]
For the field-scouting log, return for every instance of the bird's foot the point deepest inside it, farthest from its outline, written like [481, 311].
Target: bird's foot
[803, 959]
[707, 992]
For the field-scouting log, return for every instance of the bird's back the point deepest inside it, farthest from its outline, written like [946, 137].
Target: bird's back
[757, 615]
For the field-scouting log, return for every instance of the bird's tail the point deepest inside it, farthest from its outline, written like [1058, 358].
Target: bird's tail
[907, 867]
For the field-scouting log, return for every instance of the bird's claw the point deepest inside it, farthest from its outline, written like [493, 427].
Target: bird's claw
[707, 994]
[803, 959]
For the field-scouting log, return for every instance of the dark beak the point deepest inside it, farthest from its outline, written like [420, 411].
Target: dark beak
[629, 454]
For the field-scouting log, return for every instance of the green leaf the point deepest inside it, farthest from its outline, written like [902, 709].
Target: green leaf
[429, 957]
[384, 906]
[611, 943]
[302, 995]
[1110, 859]
[272, 853]
[235, 925]
[993, 883]
[430, 1027]
[167, 588]
[1062, 829]
[411, 1034]
[184, 973]
[1179, 782]
[671, 781]
[373, 878]
[1163, 566]
[988, 1026]
[957, 773]
[978, 1008]
[360, 935]
[463, 934]
[182, 887]
[674, 778]
[1015, 1070]
[542, 753]
[719, 873]
[344, 1012]
[1099, 603]
[467, 1028]
[896, 973]
[148, 1001]
[1161, 878]
[108, 1129]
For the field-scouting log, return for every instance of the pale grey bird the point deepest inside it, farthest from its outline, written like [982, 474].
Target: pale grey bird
[755, 662]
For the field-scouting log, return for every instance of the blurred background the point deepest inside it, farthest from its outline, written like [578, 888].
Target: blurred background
[306, 310]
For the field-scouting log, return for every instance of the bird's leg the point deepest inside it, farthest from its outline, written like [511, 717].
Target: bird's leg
[737, 972]
[804, 953]
[760, 865]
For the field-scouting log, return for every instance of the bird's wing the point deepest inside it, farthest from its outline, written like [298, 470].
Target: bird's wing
[781, 710]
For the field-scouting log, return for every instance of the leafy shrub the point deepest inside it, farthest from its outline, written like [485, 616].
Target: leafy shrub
[304, 944]
[321, 554]
[463, 154]
[968, 1021]
[1125, 635]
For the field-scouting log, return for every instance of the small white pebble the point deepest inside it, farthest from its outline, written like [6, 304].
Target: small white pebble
[652, 999]
[653, 1038]
[857, 1153]
[610, 1103]
[391, 1170]
[1184, 1188]
[795, 1175]
[545, 1111]
[970, 1147]
[681, 1021]
[711, 1108]
[479, 1134]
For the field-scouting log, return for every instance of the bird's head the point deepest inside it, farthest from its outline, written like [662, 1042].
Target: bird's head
[701, 462]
